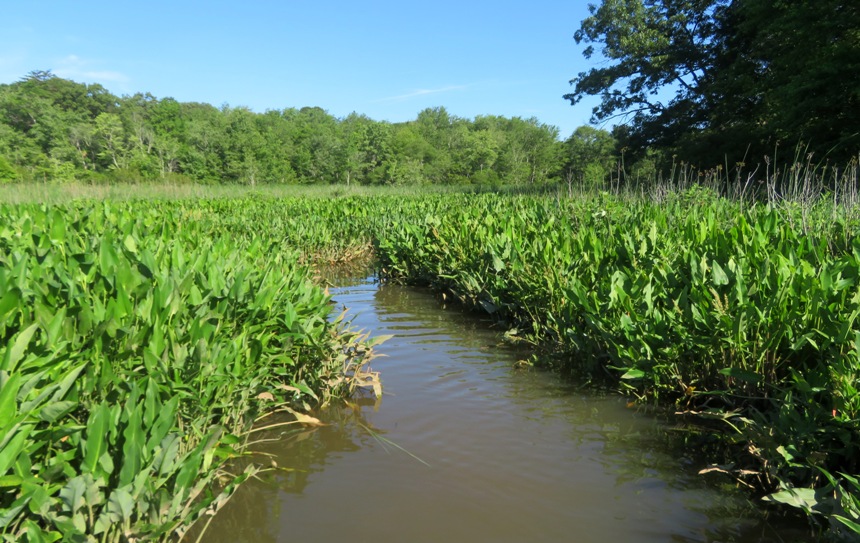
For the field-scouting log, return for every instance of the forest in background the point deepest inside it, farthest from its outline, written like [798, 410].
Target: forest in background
[712, 91]
[56, 129]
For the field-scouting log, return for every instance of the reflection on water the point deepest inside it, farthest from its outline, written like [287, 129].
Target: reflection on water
[463, 447]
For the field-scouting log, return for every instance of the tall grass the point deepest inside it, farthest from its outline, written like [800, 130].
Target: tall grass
[802, 181]
[56, 193]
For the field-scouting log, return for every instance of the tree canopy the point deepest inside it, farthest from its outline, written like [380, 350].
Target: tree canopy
[53, 128]
[714, 78]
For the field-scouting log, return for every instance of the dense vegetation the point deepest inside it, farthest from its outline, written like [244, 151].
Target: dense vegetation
[152, 329]
[745, 316]
[141, 341]
[55, 129]
[727, 81]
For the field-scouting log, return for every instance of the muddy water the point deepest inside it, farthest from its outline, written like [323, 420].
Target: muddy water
[463, 447]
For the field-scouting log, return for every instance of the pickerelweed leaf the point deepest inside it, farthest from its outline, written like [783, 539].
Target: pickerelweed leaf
[54, 411]
[121, 504]
[16, 349]
[73, 494]
[96, 443]
[134, 445]
[742, 375]
[130, 243]
[9, 386]
[804, 498]
[633, 373]
[718, 274]
[12, 444]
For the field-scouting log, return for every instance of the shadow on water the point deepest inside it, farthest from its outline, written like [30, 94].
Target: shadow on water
[464, 447]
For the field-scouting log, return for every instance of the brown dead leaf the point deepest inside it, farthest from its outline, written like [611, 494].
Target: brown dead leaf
[304, 419]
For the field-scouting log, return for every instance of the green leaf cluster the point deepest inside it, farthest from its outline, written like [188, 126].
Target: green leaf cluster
[735, 313]
[139, 340]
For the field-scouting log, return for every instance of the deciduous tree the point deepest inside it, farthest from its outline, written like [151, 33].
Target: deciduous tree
[725, 80]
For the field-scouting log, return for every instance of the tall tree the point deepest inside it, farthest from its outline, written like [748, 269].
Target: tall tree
[589, 155]
[111, 140]
[707, 78]
[660, 55]
[797, 66]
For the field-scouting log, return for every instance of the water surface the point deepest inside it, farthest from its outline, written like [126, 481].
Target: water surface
[465, 447]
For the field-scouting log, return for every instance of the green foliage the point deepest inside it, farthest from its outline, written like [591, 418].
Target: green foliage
[716, 81]
[141, 340]
[651, 45]
[590, 156]
[799, 62]
[118, 317]
[7, 172]
[737, 314]
[52, 128]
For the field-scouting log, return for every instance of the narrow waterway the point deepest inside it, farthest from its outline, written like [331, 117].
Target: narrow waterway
[464, 447]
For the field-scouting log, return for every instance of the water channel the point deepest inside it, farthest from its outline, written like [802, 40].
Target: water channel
[464, 447]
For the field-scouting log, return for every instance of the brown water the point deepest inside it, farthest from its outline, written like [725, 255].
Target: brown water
[463, 447]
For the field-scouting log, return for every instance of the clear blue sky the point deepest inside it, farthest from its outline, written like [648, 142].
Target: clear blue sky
[386, 59]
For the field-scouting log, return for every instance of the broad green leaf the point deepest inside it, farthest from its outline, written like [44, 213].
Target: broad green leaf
[164, 423]
[73, 495]
[718, 275]
[498, 264]
[15, 351]
[66, 383]
[54, 411]
[40, 498]
[8, 396]
[633, 373]
[35, 534]
[12, 446]
[130, 243]
[9, 304]
[121, 503]
[803, 498]
[96, 443]
[8, 481]
[134, 446]
[58, 227]
[108, 258]
[55, 326]
[742, 375]
[166, 453]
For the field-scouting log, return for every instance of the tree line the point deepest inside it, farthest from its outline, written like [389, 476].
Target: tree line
[56, 129]
[722, 86]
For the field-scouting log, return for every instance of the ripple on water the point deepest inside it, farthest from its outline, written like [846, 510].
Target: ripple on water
[505, 455]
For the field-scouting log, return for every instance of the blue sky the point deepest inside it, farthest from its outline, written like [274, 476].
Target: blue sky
[386, 59]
